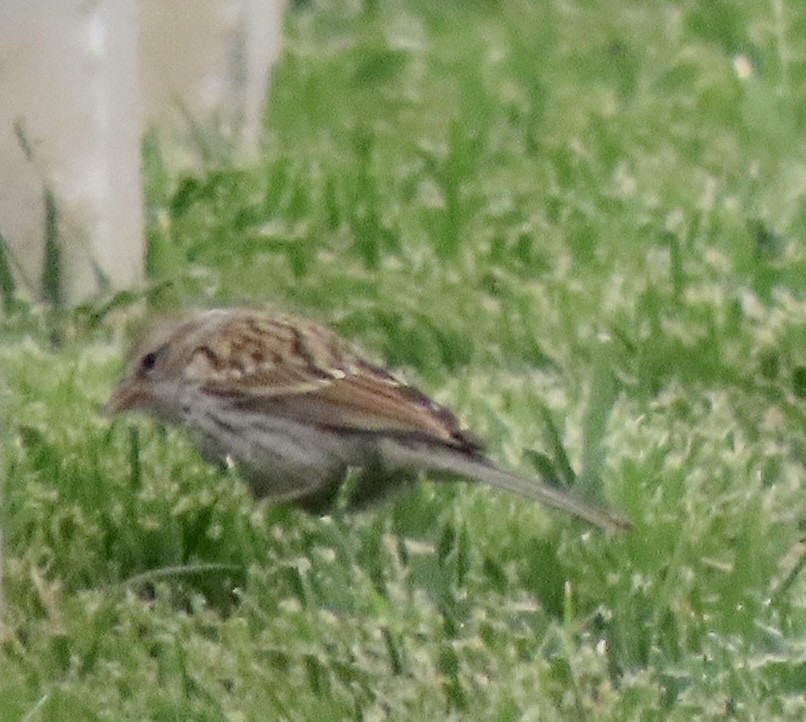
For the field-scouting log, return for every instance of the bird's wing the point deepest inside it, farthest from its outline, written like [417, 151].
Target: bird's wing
[308, 374]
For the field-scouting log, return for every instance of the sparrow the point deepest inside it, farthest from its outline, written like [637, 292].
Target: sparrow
[297, 410]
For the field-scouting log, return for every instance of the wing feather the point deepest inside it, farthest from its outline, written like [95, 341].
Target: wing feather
[309, 375]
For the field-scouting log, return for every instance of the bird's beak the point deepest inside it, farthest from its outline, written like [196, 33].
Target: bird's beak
[127, 396]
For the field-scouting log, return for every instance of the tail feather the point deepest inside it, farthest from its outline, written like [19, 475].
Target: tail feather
[458, 464]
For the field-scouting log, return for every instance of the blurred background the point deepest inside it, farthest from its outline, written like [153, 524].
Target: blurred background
[580, 224]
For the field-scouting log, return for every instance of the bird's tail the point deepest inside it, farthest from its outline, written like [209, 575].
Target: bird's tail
[446, 461]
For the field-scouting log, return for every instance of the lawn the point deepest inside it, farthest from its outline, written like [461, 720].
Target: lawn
[580, 225]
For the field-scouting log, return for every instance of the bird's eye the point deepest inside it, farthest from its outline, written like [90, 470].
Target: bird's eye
[148, 361]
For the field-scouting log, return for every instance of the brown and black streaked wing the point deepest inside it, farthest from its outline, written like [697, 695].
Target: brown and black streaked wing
[308, 374]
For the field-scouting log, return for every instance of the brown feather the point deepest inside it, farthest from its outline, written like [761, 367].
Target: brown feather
[309, 375]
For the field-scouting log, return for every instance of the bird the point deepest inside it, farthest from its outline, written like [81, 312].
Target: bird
[298, 411]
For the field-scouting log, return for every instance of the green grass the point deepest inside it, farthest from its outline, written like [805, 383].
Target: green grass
[581, 225]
